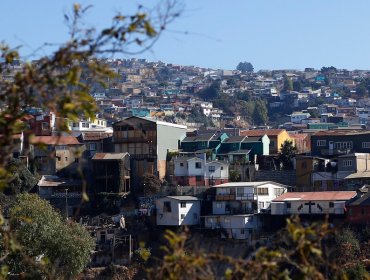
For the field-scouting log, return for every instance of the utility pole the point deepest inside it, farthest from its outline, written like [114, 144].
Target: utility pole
[66, 204]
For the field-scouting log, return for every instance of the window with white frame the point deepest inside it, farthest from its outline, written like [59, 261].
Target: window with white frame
[182, 216]
[343, 145]
[366, 145]
[321, 143]
[212, 168]
[92, 146]
[347, 163]
[198, 165]
[183, 204]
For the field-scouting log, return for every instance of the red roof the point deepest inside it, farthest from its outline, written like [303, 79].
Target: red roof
[55, 140]
[95, 136]
[316, 196]
[261, 132]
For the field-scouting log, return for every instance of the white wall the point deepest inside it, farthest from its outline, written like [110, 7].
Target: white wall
[281, 208]
[173, 218]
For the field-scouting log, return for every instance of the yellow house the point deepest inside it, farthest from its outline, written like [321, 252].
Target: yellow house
[277, 137]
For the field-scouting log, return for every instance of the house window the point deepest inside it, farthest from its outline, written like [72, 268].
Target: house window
[86, 125]
[182, 216]
[365, 145]
[66, 158]
[45, 126]
[222, 168]
[76, 160]
[263, 191]
[331, 204]
[288, 205]
[198, 165]
[261, 205]
[211, 168]
[181, 164]
[218, 205]
[75, 124]
[242, 231]
[167, 206]
[92, 147]
[321, 143]
[183, 205]
[59, 158]
[347, 163]
[227, 220]
[343, 145]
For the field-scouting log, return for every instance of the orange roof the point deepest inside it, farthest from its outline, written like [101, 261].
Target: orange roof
[55, 140]
[261, 132]
[316, 196]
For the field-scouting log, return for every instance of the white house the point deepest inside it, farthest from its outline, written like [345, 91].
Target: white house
[251, 197]
[178, 211]
[195, 171]
[312, 203]
[233, 226]
[297, 117]
[235, 206]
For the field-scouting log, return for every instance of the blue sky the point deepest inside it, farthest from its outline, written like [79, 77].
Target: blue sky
[271, 34]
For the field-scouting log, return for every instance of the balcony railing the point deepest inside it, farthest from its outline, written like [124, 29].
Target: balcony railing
[225, 197]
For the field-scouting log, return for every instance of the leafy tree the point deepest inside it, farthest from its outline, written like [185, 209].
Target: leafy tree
[288, 84]
[297, 252]
[234, 176]
[245, 67]
[60, 83]
[260, 114]
[210, 93]
[64, 247]
[297, 85]
[151, 184]
[328, 70]
[287, 153]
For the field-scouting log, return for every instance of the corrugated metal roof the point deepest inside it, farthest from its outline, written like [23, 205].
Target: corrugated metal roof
[341, 133]
[55, 140]
[316, 196]
[95, 136]
[183, 197]
[109, 156]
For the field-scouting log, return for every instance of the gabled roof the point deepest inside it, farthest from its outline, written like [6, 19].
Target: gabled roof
[55, 140]
[252, 139]
[152, 120]
[262, 132]
[109, 156]
[316, 196]
[202, 137]
[362, 201]
[234, 139]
